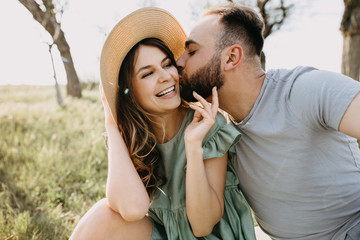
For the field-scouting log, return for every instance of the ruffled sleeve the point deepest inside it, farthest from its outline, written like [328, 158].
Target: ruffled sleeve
[221, 139]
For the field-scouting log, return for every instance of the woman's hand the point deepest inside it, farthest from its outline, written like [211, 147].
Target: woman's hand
[205, 179]
[204, 119]
[109, 120]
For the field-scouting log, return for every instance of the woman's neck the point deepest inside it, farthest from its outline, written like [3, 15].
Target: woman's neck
[166, 126]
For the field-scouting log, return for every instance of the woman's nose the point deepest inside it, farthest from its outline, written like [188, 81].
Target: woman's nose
[164, 76]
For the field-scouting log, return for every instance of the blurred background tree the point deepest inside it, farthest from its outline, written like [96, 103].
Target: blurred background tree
[49, 15]
[350, 28]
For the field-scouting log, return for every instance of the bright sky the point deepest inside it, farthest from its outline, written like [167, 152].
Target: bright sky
[311, 37]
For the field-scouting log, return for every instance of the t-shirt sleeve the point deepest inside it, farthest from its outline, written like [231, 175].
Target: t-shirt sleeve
[221, 139]
[321, 97]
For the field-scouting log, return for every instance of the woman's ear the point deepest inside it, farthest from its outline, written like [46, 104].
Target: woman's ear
[234, 55]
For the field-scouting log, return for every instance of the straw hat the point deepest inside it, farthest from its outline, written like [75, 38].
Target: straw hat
[149, 22]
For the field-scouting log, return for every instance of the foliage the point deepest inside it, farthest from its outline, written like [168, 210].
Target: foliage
[53, 162]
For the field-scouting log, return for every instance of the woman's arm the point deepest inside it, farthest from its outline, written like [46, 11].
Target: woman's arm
[125, 191]
[205, 180]
[205, 183]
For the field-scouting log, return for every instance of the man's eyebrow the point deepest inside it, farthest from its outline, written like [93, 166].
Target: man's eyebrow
[188, 42]
[148, 66]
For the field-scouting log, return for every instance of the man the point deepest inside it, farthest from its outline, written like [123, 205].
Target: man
[299, 160]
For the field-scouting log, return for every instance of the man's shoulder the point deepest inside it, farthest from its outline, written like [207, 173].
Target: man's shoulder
[304, 73]
[280, 82]
[318, 80]
[286, 75]
[306, 79]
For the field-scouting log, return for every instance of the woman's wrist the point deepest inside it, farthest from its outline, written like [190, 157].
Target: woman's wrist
[193, 147]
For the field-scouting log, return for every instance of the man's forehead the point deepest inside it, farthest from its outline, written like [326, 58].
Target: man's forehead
[212, 19]
[205, 28]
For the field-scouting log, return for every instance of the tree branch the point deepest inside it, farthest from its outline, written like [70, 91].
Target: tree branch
[46, 19]
[262, 10]
[278, 20]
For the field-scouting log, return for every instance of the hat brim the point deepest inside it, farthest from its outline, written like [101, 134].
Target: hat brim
[149, 22]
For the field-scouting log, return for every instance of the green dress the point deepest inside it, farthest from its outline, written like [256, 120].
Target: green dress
[167, 209]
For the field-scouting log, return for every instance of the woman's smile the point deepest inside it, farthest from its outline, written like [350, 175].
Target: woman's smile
[167, 93]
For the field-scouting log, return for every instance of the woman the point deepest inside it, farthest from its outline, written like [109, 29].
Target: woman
[159, 150]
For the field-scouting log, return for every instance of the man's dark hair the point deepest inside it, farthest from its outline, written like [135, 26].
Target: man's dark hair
[242, 25]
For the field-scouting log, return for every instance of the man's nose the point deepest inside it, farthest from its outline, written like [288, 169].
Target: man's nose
[180, 69]
[181, 62]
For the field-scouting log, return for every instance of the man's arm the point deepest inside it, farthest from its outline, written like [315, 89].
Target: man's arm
[350, 122]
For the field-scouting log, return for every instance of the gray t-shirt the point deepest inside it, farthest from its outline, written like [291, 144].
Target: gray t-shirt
[300, 175]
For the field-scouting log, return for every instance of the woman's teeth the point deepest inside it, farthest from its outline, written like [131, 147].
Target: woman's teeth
[165, 92]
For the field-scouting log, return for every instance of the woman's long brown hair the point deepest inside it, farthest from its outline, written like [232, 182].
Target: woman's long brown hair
[134, 121]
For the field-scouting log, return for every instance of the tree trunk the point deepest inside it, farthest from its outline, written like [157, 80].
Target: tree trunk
[350, 28]
[73, 86]
[48, 21]
[350, 65]
[59, 98]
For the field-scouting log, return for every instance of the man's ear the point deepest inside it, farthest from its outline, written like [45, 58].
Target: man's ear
[233, 57]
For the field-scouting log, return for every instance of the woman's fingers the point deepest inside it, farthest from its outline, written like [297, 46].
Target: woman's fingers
[209, 108]
[197, 116]
[199, 109]
[101, 90]
[215, 101]
[203, 102]
[103, 99]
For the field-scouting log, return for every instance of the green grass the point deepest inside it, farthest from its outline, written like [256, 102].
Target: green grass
[53, 162]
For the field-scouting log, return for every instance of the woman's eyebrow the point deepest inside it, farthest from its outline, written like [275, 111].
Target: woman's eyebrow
[165, 58]
[142, 68]
[147, 66]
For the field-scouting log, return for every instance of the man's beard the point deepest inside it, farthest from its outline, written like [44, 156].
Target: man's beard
[203, 80]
